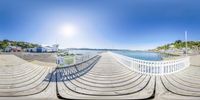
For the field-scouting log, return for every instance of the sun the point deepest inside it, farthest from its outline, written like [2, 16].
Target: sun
[68, 30]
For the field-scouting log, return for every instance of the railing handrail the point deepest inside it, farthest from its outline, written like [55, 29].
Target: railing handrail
[153, 67]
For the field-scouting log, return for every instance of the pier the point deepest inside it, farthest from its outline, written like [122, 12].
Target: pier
[103, 76]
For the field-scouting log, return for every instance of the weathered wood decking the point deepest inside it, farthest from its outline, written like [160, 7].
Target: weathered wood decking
[99, 78]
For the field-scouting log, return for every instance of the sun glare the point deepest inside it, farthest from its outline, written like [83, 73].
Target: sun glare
[68, 30]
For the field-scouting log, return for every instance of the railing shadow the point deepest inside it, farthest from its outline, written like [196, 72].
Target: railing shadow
[51, 77]
[76, 71]
[71, 72]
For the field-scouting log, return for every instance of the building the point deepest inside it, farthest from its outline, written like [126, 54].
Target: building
[13, 49]
[44, 49]
[48, 49]
[41, 49]
[31, 50]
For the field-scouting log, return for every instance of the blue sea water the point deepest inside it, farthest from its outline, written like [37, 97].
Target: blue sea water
[83, 51]
[143, 55]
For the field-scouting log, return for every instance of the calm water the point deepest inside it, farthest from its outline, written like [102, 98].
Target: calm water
[134, 54]
[83, 51]
[141, 55]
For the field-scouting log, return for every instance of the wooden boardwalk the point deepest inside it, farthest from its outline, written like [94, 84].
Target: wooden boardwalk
[108, 79]
[20, 79]
[101, 77]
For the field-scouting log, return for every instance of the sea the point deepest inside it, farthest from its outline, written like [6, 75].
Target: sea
[143, 55]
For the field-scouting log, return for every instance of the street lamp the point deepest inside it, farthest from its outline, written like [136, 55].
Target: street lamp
[186, 45]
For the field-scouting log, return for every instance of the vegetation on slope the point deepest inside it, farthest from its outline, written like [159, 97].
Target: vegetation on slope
[5, 43]
[180, 44]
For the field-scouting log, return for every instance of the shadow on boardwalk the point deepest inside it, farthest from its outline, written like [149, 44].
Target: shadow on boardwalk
[71, 72]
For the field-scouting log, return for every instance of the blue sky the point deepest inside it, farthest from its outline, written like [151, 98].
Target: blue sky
[127, 24]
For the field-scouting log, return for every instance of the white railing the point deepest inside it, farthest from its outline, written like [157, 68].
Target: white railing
[83, 57]
[152, 67]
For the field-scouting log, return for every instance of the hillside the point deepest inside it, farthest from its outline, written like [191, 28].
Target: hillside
[5, 43]
[195, 45]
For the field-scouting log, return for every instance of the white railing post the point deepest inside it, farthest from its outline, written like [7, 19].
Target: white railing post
[152, 67]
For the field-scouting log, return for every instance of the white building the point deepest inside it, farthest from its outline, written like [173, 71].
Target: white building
[48, 49]
[44, 49]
